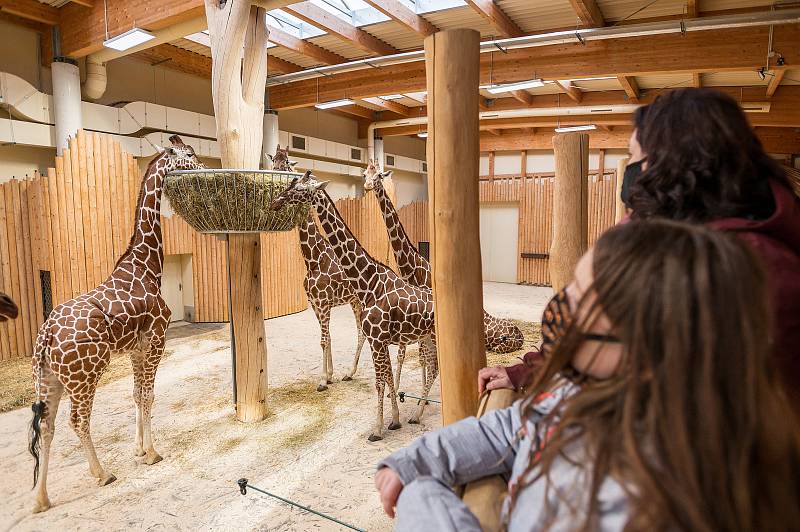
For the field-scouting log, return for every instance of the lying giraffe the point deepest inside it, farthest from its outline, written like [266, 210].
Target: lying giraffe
[125, 314]
[394, 311]
[502, 336]
[8, 309]
[325, 283]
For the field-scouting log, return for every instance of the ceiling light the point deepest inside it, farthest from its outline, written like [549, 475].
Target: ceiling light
[129, 39]
[422, 134]
[520, 85]
[391, 97]
[587, 127]
[334, 103]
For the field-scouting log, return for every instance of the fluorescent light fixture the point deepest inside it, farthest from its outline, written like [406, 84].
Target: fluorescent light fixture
[129, 39]
[391, 97]
[520, 85]
[334, 103]
[755, 107]
[587, 127]
[423, 134]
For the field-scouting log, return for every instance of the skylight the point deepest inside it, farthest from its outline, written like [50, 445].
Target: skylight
[354, 12]
[279, 18]
[428, 6]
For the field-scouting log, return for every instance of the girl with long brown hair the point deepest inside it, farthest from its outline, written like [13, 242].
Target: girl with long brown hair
[639, 419]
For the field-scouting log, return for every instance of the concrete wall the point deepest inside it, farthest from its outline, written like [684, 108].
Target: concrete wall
[19, 161]
[19, 52]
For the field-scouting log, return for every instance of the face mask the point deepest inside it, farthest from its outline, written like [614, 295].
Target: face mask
[557, 318]
[632, 173]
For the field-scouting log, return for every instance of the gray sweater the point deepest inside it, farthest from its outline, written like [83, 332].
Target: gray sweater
[497, 443]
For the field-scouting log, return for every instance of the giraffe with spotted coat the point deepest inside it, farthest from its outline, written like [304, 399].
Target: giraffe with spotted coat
[125, 314]
[394, 311]
[325, 282]
[501, 335]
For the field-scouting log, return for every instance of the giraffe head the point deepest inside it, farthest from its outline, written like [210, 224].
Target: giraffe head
[179, 156]
[301, 190]
[8, 309]
[280, 161]
[372, 177]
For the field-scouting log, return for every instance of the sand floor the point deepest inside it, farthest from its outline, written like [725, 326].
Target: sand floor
[312, 448]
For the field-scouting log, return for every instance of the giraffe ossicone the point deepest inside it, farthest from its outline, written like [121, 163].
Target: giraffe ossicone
[124, 314]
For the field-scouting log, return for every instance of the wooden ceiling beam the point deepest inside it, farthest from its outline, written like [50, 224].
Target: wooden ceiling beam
[357, 110]
[316, 16]
[304, 47]
[630, 86]
[693, 8]
[522, 140]
[496, 17]
[398, 12]
[775, 81]
[394, 107]
[495, 132]
[31, 10]
[697, 80]
[588, 12]
[728, 50]
[574, 93]
[84, 3]
[523, 97]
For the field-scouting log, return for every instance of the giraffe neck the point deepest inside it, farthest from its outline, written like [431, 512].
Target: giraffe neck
[310, 241]
[145, 249]
[412, 265]
[354, 260]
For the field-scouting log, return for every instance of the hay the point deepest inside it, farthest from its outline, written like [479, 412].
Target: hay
[221, 201]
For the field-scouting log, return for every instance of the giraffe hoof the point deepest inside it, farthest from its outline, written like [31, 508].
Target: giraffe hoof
[138, 453]
[108, 479]
[41, 506]
[413, 421]
[394, 425]
[373, 437]
[347, 378]
[154, 458]
[329, 381]
[322, 388]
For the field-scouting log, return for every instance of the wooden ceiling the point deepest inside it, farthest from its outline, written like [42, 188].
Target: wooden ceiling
[631, 63]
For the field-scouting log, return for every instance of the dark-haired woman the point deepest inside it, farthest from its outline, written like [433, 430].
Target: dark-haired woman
[638, 420]
[704, 164]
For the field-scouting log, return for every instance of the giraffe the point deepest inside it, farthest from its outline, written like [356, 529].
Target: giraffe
[325, 283]
[126, 313]
[8, 309]
[502, 336]
[394, 311]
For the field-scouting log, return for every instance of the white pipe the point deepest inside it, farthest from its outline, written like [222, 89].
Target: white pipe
[66, 103]
[94, 86]
[271, 139]
[764, 18]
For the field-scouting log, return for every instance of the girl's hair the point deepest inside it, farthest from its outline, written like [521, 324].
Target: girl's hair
[639, 116]
[693, 424]
[704, 161]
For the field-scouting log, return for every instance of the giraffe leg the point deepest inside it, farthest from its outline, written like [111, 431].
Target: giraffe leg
[52, 389]
[137, 361]
[401, 357]
[383, 366]
[79, 416]
[361, 337]
[431, 366]
[151, 361]
[324, 318]
[395, 424]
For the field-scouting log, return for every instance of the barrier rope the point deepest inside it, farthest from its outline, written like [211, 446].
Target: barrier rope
[403, 395]
[243, 485]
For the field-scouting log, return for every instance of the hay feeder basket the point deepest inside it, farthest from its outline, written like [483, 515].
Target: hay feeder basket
[222, 201]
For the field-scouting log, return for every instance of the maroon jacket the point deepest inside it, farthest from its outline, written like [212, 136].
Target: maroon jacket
[777, 241]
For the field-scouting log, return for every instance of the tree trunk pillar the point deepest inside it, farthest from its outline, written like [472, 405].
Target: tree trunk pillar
[452, 70]
[620, 206]
[570, 206]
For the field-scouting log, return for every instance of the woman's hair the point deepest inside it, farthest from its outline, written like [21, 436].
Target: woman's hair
[704, 161]
[639, 116]
[693, 424]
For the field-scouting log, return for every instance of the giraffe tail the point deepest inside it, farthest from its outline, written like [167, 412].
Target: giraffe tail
[38, 408]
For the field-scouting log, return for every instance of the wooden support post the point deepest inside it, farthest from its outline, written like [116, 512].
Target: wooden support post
[601, 164]
[491, 164]
[452, 67]
[523, 163]
[239, 73]
[570, 206]
[619, 210]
